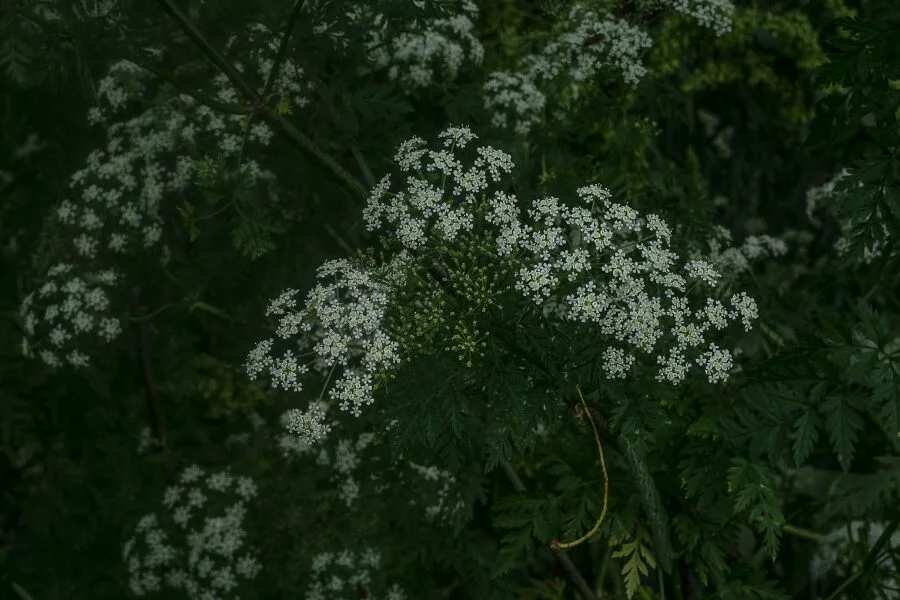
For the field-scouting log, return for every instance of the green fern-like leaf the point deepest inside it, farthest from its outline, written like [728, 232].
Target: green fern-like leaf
[652, 503]
[514, 546]
[638, 560]
[753, 588]
[805, 435]
[542, 589]
[844, 423]
[886, 393]
[15, 55]
[753, 490]
[856, 495]
[255, 236]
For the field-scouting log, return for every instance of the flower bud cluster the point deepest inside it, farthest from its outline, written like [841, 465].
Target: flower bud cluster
[65, 312]
[599, 263]
[205, 559]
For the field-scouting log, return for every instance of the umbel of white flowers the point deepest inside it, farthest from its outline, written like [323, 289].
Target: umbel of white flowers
[204, 558]
[595, 263]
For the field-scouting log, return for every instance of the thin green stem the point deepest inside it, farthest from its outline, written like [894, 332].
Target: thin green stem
[211, 310]
[149, 316]
[325, 386]
[157, 432]
[214, 213]
[799, 532]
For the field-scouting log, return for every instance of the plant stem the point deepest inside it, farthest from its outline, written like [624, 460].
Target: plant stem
[231, 109]
[870, 561]
[143, 338]
[200, 40]
[307, 145]
[799, 532]
[567, 564]
[282, 48]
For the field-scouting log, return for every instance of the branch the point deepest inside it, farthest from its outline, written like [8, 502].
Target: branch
[282, 48]
[220, 61]
[255, 99]
[157, 434]
[231, 109]
[307, 145]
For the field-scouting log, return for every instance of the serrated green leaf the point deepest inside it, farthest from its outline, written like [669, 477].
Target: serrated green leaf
[805, 435]
[753, 489]
[843, 423]
[542, 589]
[513, 547]
[638, 561]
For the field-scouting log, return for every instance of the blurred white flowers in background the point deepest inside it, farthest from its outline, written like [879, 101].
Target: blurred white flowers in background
[198, 544]
[832, 553]
[65, 313]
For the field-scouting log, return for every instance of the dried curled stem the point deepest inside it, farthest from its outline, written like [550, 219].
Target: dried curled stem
[586, 412]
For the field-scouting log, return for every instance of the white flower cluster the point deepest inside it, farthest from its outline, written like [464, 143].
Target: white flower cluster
[344, 461]
[432, 47]
[118, 194]
[348, 575]
[425, 211]
[830, 555]
[204, 560]
[515, 100]
[444, 506]
[83, 10]
[67, 309]
[822, 194]
[116, 197]
[443, 500]
[590, 41]
[736, 259]
[713, 14]
[342, 323]
[304, 427]
[600, 263]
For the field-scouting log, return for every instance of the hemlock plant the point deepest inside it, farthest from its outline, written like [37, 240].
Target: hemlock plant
[563, 299]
